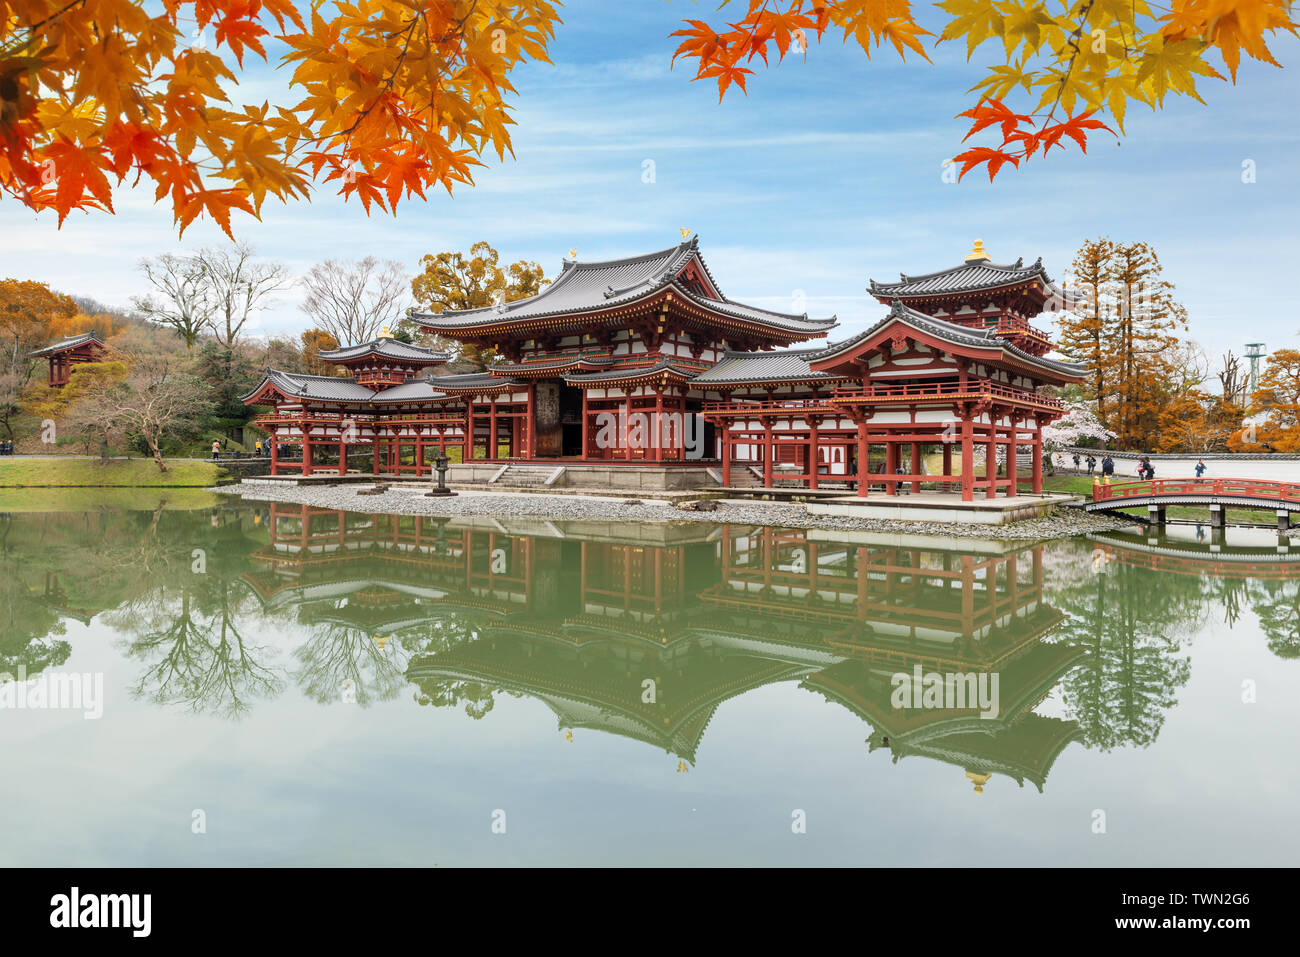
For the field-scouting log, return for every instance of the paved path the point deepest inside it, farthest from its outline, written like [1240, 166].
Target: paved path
[1269, 470]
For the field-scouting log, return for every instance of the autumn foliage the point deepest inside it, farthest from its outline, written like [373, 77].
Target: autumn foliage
[396, 97]
[392, 98]
[1071, 59]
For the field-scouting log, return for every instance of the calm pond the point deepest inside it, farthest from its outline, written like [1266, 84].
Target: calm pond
[290, 685]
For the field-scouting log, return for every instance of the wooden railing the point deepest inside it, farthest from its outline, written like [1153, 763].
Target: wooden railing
[293, 418]
[1008, 326]
[337, 418]
[943, 390]
[1237, 488]
[774, 406]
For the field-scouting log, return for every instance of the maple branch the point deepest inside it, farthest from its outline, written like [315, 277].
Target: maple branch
[1071, 41]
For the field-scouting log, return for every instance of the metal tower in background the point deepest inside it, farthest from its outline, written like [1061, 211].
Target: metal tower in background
[1254, 352]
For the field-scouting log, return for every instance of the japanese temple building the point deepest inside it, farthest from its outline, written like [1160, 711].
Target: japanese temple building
[644, 363]
[62, 356]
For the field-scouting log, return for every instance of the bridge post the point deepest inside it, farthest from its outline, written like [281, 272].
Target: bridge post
[1218, 516]
[1283, 520]
[1156, 514]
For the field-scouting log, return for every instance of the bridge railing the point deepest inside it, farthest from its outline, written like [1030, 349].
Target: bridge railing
[1240, 488]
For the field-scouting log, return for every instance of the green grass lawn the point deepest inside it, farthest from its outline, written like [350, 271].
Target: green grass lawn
[65, 472]
[93, 499]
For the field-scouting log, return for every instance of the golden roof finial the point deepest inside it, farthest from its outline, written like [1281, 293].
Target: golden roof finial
[978, 253]
[384, 333]
[980, 779]
[573, 253]
[686, 234]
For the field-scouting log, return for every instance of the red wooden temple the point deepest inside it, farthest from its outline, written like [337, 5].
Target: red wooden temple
[62, 356]
[644, 362]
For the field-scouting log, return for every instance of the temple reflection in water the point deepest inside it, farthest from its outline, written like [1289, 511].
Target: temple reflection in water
[644, 631]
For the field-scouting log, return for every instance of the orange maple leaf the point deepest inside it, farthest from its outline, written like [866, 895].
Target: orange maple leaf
[995, 159]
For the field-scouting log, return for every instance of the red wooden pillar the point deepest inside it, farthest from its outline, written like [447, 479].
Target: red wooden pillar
[1012, 464]
[814, 452]
[627, 426]
[768, 451]
[657, 436]
[991, 458]
[306, 451]
[891, 465]
[1037, 464]
[726, 451]
[586, 426]
[864, 451]
[967, 458]
[343, 457]
[492, 429]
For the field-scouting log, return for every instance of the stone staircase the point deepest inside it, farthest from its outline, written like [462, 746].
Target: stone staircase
[745, 476]
[529, 476]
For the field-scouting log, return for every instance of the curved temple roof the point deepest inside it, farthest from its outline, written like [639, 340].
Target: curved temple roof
[970, 276]
[741, 368]
[299, 386]
[955, 334]
[388, 348]
[592, 286]
[664, 366]
[70, 343]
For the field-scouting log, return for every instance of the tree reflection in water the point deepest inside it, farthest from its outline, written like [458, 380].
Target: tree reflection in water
[323, 601]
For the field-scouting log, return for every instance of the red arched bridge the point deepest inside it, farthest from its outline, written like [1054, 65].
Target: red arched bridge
[1217, 494]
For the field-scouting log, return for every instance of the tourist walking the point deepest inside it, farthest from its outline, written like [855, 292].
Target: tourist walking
[1092, 464]
[216, 449]
[1200, 468]
[1108, 466]
[1076, 461]
[258, 447]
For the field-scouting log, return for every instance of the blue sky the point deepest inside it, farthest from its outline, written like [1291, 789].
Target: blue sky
[825, 175]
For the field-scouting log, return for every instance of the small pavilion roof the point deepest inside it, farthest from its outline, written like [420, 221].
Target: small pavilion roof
[72, 342]
[592, 286]
[984, 339]
[741, 368]
[325, 388]
[418, 390]
[475, 382]
[558, 364]
[972, 275]
[388, 348]
[664, 366]
[330, 389]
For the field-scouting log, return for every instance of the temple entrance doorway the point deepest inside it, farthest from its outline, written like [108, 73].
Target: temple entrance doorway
[571, 423]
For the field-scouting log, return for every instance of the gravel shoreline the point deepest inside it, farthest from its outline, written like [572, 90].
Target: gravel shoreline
[1064, 523]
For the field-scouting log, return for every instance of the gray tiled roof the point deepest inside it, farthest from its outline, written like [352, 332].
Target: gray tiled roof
[470, 380]
[663, 365]
[70, 343]
[508, 368]
[582, 287]
[418, 390]
[324, 388]
[951, 332]
[744, 367]
[388, 348]
[977, 274]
